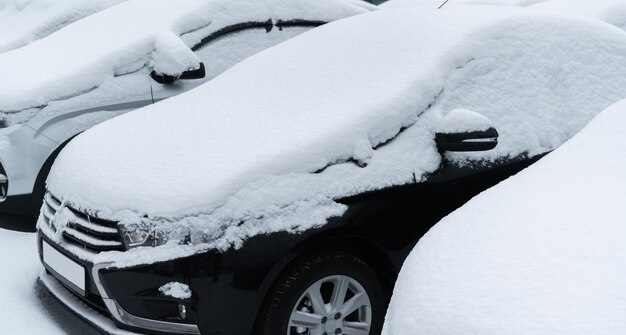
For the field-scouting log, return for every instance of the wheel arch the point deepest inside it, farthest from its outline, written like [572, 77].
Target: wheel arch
[39, 189]
[366, 249]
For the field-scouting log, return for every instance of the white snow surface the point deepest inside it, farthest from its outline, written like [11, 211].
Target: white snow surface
[176, 290]
[24, 21]
[463, 120]
[541, 253]
[82, 55]
[610, 11]
[20, 292]
[235, 157]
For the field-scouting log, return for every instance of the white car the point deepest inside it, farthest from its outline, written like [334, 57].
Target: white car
[541, 253]
[111, 63]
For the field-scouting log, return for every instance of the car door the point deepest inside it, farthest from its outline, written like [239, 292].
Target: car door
[228, 46]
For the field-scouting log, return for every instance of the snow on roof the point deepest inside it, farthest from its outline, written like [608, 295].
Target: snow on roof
[610, 11]
[24, 21]
[541, 253]
[270, 144]
[80, 56]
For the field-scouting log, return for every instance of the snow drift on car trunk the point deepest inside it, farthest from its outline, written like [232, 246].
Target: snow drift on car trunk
[541, 253]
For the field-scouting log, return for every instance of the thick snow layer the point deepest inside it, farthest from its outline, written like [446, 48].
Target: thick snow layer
[176, 290]
[24, 21]
[541, 253]
[463, 120]
[270, 144]
[81, 56]
[610, 11]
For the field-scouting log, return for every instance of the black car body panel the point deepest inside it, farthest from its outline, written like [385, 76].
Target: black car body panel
[230, 288]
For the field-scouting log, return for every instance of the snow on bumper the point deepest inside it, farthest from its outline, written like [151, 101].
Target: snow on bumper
[90, 315]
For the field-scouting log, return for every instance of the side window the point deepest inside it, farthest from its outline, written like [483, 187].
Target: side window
[225, 48]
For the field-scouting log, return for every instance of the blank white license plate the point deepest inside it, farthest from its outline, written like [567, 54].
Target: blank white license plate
[64, 266]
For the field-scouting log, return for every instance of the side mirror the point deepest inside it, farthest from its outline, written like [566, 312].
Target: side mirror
[462, 130]
[163, 78]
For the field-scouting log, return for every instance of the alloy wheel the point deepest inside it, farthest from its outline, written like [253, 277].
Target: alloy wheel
[333, 305]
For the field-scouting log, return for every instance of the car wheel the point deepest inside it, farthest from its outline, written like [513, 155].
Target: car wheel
[333, 293]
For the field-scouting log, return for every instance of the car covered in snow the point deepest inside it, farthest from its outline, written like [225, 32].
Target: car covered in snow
[22, 22]
[110, 63]
[610, 11]
[283, 196]
[550, 257]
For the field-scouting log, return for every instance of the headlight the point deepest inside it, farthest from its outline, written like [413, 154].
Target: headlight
[141, 235]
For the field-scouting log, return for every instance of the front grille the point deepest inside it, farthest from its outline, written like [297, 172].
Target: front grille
[82, 229]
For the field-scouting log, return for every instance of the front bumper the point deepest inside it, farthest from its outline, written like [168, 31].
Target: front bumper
[99, 308]
[76, 305]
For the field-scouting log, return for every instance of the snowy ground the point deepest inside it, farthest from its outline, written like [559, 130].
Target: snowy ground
[27, 307]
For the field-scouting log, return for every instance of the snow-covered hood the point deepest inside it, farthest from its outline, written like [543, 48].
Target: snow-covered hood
[191, 152]
[127, 37]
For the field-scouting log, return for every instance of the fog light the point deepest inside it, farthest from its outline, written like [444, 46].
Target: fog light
[182, 311]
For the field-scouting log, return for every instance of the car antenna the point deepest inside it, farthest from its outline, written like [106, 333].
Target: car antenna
[443, 4]
[151, 94]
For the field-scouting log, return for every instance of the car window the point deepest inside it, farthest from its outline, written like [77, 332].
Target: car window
[226, 47]
[231, 45]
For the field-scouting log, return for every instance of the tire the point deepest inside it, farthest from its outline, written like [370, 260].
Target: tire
[292, 310]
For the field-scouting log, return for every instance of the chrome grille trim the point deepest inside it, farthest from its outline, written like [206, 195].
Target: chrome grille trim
[89, 240]
[85, 230]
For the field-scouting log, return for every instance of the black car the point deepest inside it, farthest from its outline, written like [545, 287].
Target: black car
[283, 196]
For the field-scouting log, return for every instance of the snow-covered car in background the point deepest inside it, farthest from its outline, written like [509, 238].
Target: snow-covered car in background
[101, 66]
[283, 196]
[541, 253]
[24, 21]
[609, 11]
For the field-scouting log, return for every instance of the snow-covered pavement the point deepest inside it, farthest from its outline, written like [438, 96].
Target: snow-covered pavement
[27, 308]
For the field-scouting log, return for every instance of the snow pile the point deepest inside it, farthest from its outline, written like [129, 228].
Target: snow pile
[541, 253]
[114, 42]
[239, 155]
[24, 21]
[176, 290]
[463, 120]
[610, 11]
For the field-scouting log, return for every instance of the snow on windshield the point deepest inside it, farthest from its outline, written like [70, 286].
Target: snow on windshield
[79, 57]
[24, 21]
[272, 143]
[541, 253]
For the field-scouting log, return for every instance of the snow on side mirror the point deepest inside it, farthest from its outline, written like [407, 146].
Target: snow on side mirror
[463, 130]
[173, 60]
